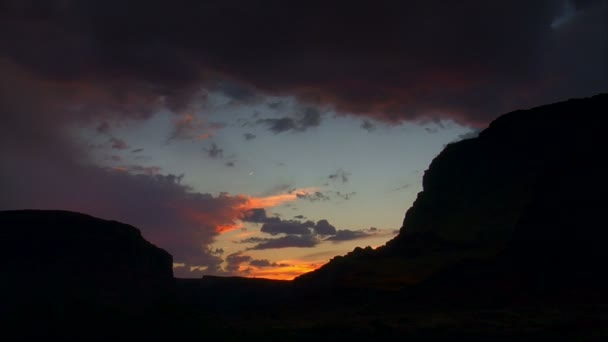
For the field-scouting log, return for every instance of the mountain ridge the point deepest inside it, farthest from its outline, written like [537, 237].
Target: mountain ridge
[476, 191]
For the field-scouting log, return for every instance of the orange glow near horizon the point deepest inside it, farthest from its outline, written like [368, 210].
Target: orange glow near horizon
[292, 269]
[228, 220]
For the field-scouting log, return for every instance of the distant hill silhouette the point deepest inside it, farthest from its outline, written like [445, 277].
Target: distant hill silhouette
[522, 202]
[61, 266]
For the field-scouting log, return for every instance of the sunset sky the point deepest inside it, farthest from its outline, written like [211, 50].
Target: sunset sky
[262, 138]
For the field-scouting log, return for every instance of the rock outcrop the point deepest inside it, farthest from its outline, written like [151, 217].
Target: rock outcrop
[525, 194]
[63, 265]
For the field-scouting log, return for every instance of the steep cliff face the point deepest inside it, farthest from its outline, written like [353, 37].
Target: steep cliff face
[65, 264]
[527, 185]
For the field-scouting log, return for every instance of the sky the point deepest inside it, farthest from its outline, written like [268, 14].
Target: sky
[263, 138]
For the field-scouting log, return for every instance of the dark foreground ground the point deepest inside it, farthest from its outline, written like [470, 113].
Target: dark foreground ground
[295, 315]
[237, 310]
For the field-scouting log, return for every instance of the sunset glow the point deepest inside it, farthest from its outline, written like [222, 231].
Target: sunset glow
[293, 269]
[303, 170]
[225, 153]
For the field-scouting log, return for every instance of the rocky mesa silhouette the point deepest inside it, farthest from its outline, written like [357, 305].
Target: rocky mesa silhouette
[60, 265]
[518, 207]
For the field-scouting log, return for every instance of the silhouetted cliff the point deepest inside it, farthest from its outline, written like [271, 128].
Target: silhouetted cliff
[525, 194]
[59, 265]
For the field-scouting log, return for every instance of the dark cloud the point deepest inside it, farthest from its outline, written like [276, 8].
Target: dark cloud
[345, 195]
[103, 128]
[209, 262]
[340, 175]
[347, 235]
[118, 144]
[279, 125]
[310, 117]
[276, 105]
[368, 125]
[297, 232]
[214, 152]
[249, 136]
[236, 91]
[265, 263]
[300, 241]
[391, 60]
[234, 261]
[313, 196]
[253, 239]
[300, 217]
[324, 228]
[258, 215]
[288, 227]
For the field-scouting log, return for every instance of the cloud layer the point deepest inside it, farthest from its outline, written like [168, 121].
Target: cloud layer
[296, 233]
[388, 60]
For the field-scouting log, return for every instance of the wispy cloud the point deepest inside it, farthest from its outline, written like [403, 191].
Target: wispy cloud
[347, 235]
[310, 117]
[214, 152]
[296, 233]
[340, 176]
[313, 196]
[188, 126]
[274, 200]
[368, 126]
[118, 144]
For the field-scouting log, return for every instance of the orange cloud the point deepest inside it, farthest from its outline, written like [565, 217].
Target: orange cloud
[245, 234]
[228, 227]
[275, 200]
[225, 216]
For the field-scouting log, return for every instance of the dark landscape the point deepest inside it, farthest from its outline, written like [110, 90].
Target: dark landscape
[507, 241]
